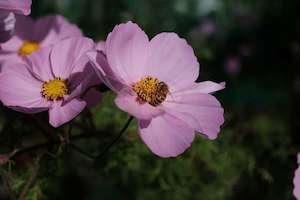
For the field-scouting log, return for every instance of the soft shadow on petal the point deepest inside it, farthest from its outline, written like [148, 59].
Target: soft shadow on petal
[39, 63]
[92, 97]
[7, 25]
[81, 80]
[127, 101]
[25, 26]
[50, 29]
[59, 115]
[202, 112]
[65, 55]
[166, 136]
[104, 72]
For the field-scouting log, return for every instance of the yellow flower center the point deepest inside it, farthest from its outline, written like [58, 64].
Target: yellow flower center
[55, 89]
[28, 47]
[151, 90]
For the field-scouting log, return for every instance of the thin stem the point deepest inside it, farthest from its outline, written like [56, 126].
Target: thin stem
[30, 182]
[7, 184]
[46, 144]
[78, 149]
[116, 139]
[72, 138]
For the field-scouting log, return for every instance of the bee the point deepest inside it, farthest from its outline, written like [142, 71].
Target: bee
[160, 94]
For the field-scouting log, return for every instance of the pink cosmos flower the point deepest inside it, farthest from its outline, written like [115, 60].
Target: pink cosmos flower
[31, 35]
[7, 17]
[297, 180]
[56, 79]
[155, 82]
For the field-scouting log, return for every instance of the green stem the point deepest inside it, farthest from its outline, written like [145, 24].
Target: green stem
[107, 148]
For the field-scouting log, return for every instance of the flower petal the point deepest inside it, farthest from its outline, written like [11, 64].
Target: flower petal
[7, 25]
[25, 26]
[92, 97]
[296, 180]
[60, 114]
[40, 65]
[127, 51]
[101, 46]
[82, 79]
[18, 6]
[205, 87]
[172, 60]
[66, 53]
[11, 46]
[50, 29]
[127, 101]
[166, 136]
[202, 112]
[18, 88]
[104, 72]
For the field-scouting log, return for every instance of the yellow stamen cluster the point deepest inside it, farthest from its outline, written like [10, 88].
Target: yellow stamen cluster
[28, 48]
[55, 89]
[151, 90]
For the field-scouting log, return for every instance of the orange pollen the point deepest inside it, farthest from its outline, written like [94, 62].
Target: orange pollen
[55, 89]
[28, 47]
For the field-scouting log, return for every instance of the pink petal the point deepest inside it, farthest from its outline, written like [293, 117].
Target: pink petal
[166, 136]
[202, 112]
[7, 25]
[12, 46]
[34, 110]
[59, 115]
[101, 46]
[92, 97]
[127, 101]
[205, 87]
[172, 60]
[18, 88]
[82, 79]
[50, 29]
[39, 63]
[18, 6]
[104, 72]
[127, 51]
[67, 53]
[296, 181]
[25, 27]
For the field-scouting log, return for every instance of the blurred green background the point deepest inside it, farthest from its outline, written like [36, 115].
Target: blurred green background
[253, 45]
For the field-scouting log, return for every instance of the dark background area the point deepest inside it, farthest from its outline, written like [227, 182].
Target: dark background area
[252, 45]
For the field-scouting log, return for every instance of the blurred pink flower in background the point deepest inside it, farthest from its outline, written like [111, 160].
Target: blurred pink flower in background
[57, 79]
[297, 180]
[3, 159]
[205, 30]
[155, 82]
[232, 65]
[31, 35]
[7, 17]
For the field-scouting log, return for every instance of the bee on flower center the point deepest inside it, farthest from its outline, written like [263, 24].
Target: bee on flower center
[151, 90]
